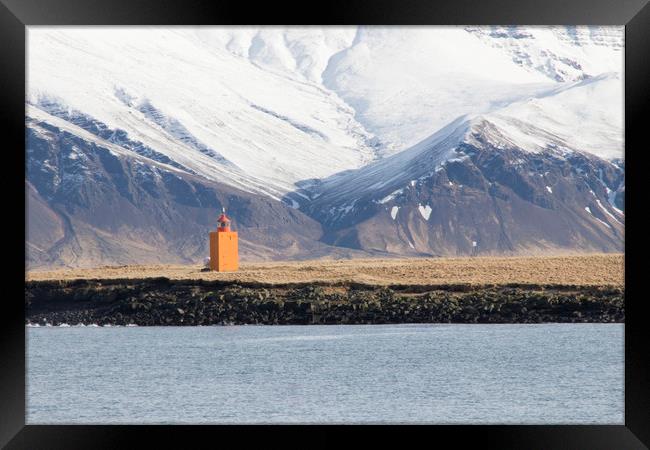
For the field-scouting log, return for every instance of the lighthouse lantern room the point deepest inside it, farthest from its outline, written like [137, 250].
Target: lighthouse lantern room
[224, 252]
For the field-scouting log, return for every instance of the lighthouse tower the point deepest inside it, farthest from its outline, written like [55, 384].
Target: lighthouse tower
[224, 252]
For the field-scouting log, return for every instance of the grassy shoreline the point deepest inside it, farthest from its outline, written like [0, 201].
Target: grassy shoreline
[583, 270]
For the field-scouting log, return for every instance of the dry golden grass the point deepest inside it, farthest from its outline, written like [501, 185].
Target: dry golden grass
[597, 269]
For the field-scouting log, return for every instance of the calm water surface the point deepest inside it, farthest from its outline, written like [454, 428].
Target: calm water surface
[551, 373]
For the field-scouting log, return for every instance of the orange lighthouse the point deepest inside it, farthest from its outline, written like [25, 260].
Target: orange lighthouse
[224, 252]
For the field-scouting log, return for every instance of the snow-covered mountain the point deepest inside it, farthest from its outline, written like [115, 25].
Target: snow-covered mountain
[209, 110]
[557, 122]
[336, 121]
[530, 176]
[569, 53]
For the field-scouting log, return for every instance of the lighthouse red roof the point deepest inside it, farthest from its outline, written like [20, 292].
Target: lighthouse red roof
[223, 221]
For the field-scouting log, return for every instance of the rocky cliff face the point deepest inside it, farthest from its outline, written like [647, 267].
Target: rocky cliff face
[470, 191]
[487, 204]
[90, 205]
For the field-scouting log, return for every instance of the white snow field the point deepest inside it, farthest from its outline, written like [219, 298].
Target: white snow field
[560, 121]
[266, 108]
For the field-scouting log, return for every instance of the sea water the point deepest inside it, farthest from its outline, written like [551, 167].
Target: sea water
[439, 374]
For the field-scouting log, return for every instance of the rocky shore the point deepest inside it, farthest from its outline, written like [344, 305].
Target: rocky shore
[160, 301]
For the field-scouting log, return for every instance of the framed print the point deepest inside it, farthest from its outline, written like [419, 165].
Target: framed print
[368, 214]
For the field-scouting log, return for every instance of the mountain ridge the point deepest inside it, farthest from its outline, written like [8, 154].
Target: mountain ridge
[344, 141]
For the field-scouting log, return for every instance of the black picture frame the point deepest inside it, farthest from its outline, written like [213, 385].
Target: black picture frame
[15, 15]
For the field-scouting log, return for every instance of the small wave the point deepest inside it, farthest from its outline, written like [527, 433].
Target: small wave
[327, 337]
[64, 325]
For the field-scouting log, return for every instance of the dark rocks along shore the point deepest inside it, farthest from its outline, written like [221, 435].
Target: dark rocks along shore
[162, 301]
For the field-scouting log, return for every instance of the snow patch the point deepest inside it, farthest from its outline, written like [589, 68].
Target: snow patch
[391, 196]
[425, 211]
[393, 212]
[604, 223]
[607, 212]
[548, 188]
[611, 198]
